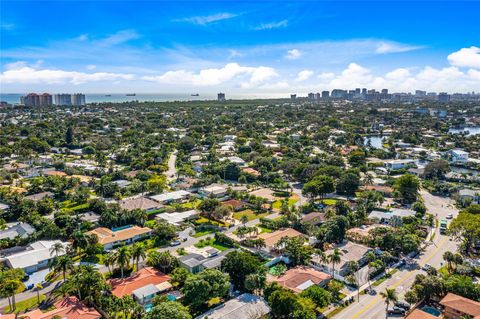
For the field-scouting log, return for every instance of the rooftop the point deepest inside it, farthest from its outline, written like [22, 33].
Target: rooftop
[107, 236]
[461, 304]
[142, 278]
[300, 278]
[245, 306]
[142, 203]
[271, 239]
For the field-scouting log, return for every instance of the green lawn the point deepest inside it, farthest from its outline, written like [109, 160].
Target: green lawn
[203, 233]
[278, 203]
[249, 213]
[24, 305]
[329, 201]
[212, 243]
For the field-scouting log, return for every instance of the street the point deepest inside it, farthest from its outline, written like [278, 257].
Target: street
[373, 307]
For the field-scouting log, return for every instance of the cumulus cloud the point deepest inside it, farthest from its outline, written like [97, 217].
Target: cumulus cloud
[20, 72]
[303, 75]
[293, 54]
[251, 76]
[272, 25]
[466, 57]
[204, 20]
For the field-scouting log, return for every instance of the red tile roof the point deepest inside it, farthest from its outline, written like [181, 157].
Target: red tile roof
[461, 304]
[145, 276]
[297, 276]
[68, 307]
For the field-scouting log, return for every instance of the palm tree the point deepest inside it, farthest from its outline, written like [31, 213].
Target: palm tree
[335, 258]
[123, 258]
[449, 257]
[244, 219]
[138, 251]
[353, 268]
[390, 295]
[56, 249]
[10, 287]
[38, 287]
[386, 257]
[370, 258]
[62, 264]
[110, 260]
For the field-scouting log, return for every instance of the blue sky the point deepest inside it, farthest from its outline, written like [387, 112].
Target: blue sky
[250, 46]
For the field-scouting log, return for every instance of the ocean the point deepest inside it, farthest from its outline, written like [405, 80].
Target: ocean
[14, 98]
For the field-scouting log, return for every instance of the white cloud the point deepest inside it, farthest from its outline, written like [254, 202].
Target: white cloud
[118, 38]
[215, 76]
[272, 25]
[204, 20]
[7, 26]
[20, 72]
[293, 54]
[466, 57]
[385, 47]
[303, 75]
[91, 67]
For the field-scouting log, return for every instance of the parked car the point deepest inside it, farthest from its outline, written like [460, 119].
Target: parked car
[450, 216]
[426, 267]
[396, 311]
[402, 304]
[175, 243]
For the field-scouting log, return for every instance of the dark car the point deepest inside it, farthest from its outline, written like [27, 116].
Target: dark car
[396, 311]
[402, 304]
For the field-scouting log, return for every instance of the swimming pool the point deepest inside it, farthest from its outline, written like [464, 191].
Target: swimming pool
[432, 311]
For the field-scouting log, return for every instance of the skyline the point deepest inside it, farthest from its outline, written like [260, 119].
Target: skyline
[240, 48]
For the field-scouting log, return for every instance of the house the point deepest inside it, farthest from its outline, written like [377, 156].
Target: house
[272, 239]
[235, 204]
[172, 197]
[385, 190]
[235, 160]
[65, 308]
[398, 164]
[33, 257]
[122, 183]
[245, 306]
[250, 171]
[21, 230]
[89, 217]
[141, 203]
[458, 156]
[39, 196]
[314, 218]
[143, 286]
[420, 314]
[56, 173]
[350, 251]
[178, 218]
[393, 216]
[300, 278]
[209, 258]
[214, 190]
[123, 235]
[456, 306]
[469, 196]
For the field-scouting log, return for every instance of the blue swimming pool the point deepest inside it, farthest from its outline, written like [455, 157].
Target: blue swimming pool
[432, 311]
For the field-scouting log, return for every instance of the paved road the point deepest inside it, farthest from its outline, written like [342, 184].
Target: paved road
[172, 170]
[373, 307]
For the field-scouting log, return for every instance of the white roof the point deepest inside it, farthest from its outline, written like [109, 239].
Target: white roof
[178, 218]
[165, 197]
[459, 152]
[246, 306]
[34, 254]
[214, 188]
[3, 206]
[393, 212]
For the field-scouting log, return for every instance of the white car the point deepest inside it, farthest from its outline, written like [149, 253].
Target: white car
[449, 216]
[426, 267]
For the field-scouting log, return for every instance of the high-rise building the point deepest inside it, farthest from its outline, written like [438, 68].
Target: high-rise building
[420, 93]
[34, 99]
[78, 99]
[317, 96]
[357, 91]
[31, 99]
[293, 97]
[63, 99]
[443, 97]
[364, 91]
[325, 94]
[311, 96]
[384, 91]
[221, 97]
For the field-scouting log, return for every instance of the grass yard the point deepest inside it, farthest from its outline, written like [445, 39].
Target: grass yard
[278, 203]
[192, 204]
[203, 233]
[249, 213]
[329, 201]
[212, 243]
[24, 305]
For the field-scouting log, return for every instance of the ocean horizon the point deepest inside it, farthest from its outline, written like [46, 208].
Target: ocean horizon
[14, 98]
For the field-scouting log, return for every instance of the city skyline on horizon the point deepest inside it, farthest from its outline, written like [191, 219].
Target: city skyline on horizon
[241, 48]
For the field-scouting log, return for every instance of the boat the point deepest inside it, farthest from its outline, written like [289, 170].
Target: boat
[131, 94]
[196, 94]
[108, 95]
